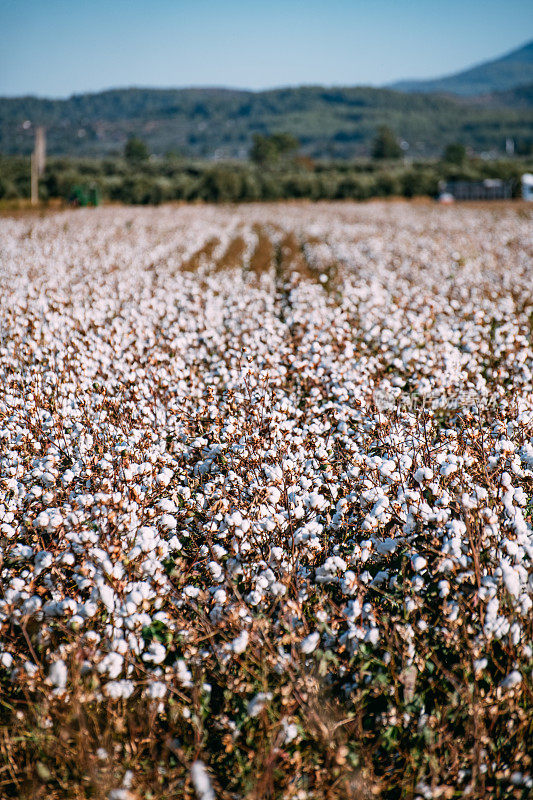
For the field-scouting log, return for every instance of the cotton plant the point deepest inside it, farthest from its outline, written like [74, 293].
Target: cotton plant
[205, 462]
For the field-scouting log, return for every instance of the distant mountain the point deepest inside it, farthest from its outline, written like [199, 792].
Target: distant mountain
[511, 70]
[219, 123]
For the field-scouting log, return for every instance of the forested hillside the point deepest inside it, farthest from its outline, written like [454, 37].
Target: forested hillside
[219, 123]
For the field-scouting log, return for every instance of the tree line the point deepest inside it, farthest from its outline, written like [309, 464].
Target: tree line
[275, 171]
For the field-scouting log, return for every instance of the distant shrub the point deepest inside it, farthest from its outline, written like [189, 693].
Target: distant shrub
[136, 150]
[221, 184]
[455, 153]
[8, 190]
[386, 144]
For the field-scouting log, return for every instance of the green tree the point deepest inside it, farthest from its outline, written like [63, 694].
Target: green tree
[455, 153]
[136, 150]
[268, 150]
[284, 143]
[262, 150]
[386, 144]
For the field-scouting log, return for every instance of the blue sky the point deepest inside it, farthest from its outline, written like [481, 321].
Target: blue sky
[57, 47]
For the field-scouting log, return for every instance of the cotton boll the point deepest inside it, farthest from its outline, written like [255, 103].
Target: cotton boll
[512, 680]
[479, 665]
[372, 636]
[58, 674]
[6, 660]
[184, 675]
[201, 781]
[257, 703]
[310, 643]
[43, 560]
[111, 664]
[289, 731]
[419, 563]
[156, 690]
[118, 690]
[215, 569]
[423, 475]
[240, 643]
[274, 495]
[107, 597]
[511, 579]
[155, 654]
[168, 522]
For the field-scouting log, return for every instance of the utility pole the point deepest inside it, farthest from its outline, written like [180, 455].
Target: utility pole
[38, 163]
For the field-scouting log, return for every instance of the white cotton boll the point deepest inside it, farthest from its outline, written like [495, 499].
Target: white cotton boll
[235, 519]
[310, 643]
[506, 479]
[447, 469]
[479, 665]
[277, 589]
[67, 477]
[254, 597]
[168, 522]
[220, 596]
[372, 636]
[31, 605]
[201, 781]
[352, 610]
[184, 674]
[215, 569]
[117, 690]
[58, 674]
[511, 547]
[515, 633]
[520, 497]
[273, 495]
[513, 679]
[120, 794]
[315, 500]
[156, 690]
[349, 583]
[155, 654]
[387, 467]
[164, 477]
[511, 579]
[240, 643]
[526, 603]
[88, 609]
[418, 563]
[43, 520]
[111, 664]
[257, 703]
[289, 731]
[107, 596]
[43, 560]
[444, 588]
[6, 660]
[174, 543]
[423, 475]
[298, 512]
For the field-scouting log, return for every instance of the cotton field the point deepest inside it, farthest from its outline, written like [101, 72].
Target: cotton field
[265, 502]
